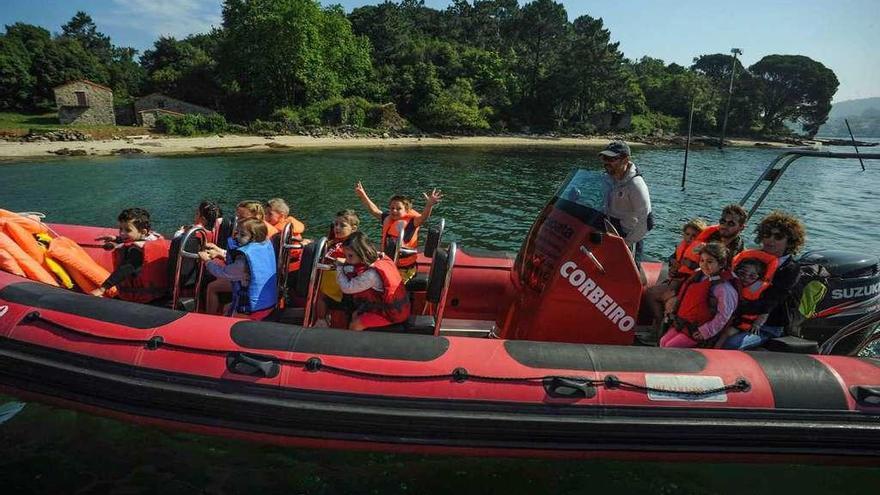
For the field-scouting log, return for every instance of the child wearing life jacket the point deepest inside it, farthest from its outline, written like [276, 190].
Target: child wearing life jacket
[278, 215]
[656, 296]
[249, 268]
[134, 251]
[207, 215]
[243, 211]
[345, 223]
[705, 301]
[754, 270]
[374, 283]
[400, 212]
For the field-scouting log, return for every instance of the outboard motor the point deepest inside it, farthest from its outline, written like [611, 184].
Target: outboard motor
[574, 281]
[836, 288]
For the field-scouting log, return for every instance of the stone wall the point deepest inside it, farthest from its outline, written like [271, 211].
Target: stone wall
[98, 108]
[148, 118]
[158, 101]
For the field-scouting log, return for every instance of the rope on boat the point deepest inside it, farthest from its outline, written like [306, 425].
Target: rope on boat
[458, 375]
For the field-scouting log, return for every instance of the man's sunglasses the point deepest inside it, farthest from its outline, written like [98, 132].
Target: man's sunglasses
[776, 235]
[728, 223]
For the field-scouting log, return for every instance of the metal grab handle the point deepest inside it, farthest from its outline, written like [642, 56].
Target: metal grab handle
[315, 273]
[202, 234]
[593, 258]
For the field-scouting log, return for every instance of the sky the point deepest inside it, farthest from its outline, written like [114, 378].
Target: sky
[844, 34]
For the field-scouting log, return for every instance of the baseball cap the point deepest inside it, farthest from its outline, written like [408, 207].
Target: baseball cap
[615, 149]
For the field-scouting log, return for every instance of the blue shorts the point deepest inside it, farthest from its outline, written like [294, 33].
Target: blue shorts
[748, 340]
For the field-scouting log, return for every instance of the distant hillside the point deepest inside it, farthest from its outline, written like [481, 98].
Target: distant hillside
[863, 116]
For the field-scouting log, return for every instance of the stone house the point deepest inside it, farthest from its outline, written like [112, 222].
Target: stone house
[148, 108]
[84, 102]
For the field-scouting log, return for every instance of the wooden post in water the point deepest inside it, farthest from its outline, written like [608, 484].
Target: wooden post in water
[854, 143]
[687, 146]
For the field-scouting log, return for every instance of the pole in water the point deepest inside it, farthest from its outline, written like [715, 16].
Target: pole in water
[735, 52]
[854, 143]
[687, 146]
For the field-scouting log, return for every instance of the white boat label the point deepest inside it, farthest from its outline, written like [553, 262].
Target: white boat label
[596, 295]
[3, 310]
[685, 387]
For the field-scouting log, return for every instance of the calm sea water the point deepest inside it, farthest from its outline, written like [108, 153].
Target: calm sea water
[491, 198]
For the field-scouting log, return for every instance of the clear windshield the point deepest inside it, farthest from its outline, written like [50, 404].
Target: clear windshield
[583, 187]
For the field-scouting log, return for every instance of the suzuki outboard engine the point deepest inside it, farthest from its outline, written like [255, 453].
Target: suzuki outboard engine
[835, 288]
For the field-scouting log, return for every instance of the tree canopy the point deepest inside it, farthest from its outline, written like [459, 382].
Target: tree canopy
[475, 65]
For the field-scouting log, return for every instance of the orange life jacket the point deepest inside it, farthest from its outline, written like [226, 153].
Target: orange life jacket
[390, 228]
[151, 282]
[296, 231]
[690, 262]
[753, 292]
[27, 264]
[87, 273]
[684, 269]
[393, 301]
[696, 303]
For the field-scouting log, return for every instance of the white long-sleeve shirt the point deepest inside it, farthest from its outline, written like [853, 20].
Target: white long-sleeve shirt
[629, 201]
[369, 279]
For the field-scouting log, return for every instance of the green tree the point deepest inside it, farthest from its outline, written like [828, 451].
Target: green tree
[16, 82]
[184, 69]
[542, 29]
[794, 88]
[289, 53]
[455, 108]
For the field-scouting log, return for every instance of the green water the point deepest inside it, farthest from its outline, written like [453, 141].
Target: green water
[492, 196]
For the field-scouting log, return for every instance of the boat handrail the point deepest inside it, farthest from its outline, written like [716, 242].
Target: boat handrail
[773, 174]
[286, 243]
[202, 235]
[855, 327]
[315, 273]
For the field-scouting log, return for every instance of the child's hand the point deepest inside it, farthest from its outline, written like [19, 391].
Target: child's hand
[205, 256]
[99, 292]
[670, 305]
[359, 190]
[434, 197]
[211, 245]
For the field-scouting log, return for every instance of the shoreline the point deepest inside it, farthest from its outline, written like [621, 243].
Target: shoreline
[217, 144]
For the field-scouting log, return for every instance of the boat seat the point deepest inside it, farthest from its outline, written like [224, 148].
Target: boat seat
[439, 280]
[792, 344]
[419, 283]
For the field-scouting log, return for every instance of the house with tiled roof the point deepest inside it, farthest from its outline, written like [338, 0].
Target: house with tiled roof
[84, 102]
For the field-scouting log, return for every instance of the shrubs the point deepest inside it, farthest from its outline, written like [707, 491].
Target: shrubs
[191, 124]
[655, 123]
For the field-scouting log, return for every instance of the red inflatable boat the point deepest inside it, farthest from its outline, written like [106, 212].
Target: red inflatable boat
[530, 355]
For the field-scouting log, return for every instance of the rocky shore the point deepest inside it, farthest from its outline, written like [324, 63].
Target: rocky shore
[77, 143]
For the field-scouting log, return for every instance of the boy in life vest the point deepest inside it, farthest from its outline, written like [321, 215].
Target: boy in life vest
[136, 272]
[705, 302]
[752, 275]
[344, 224]
[374, 283]
[656, 296]
[400, 212]
[249, 267]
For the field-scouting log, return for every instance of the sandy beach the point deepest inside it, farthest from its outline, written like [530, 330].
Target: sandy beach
[162, 145]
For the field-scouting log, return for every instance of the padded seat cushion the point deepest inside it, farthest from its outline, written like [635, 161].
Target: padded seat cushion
[419, 283]
[792, 344]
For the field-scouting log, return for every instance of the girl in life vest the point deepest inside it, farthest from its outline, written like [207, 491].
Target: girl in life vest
[705, 301]
[374, 283]
[249, 267]
[344, 224]
[400, 213]
[139, 270]
[754, 269]
[208, 215]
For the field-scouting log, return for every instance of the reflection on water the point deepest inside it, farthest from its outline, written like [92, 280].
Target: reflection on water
[491, 199]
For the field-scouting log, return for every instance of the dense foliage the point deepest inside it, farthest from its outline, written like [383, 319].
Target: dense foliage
[476, 65]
